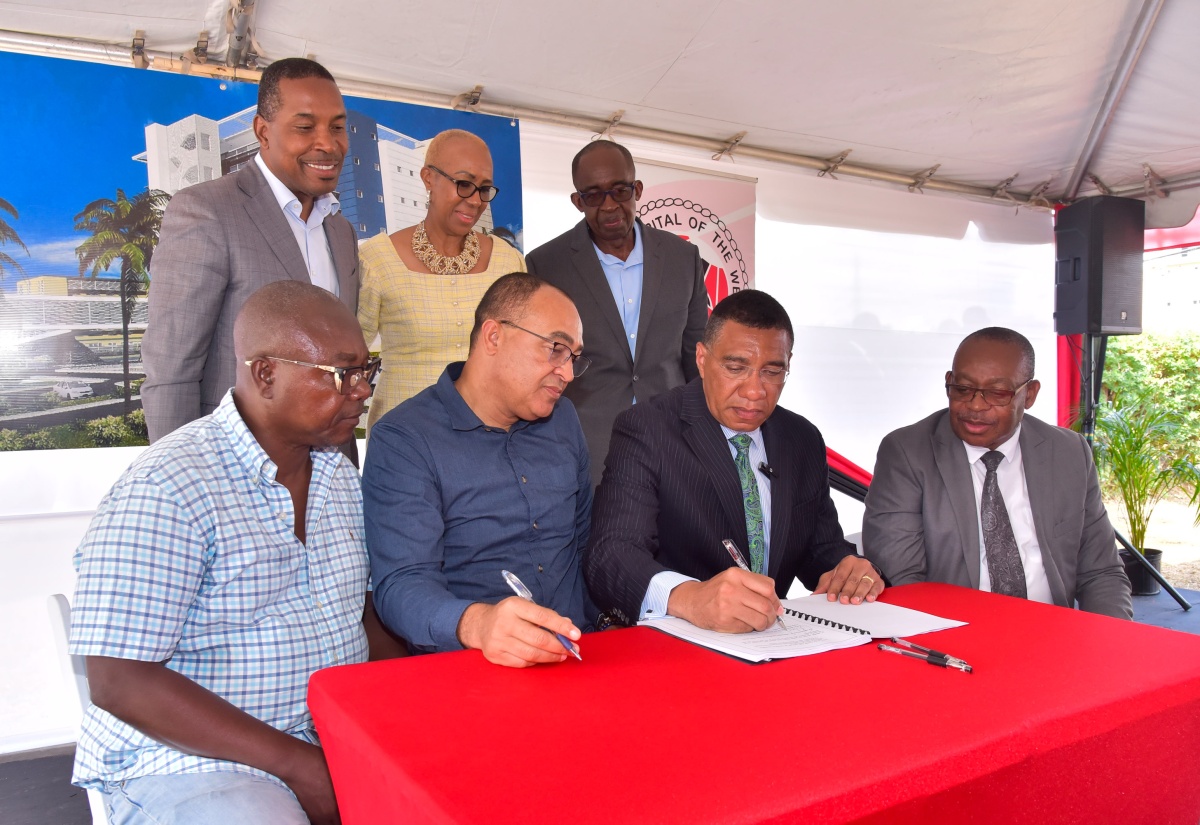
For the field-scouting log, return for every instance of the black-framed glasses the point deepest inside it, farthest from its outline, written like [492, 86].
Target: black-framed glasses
[619, 193]
[560, 353]
[962, 394]
[345, 379]
[466, 188]
[740, 372]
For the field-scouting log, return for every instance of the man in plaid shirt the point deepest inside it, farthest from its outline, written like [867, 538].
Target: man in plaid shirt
[224, 568]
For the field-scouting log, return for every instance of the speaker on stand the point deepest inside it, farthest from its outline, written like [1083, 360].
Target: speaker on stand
[1098, 244]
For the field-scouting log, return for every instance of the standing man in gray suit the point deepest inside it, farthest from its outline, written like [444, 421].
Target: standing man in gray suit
[639, 290]
[275, 219]
[979, 496]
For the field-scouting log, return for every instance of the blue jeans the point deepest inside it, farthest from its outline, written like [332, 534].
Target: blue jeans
[220, 797]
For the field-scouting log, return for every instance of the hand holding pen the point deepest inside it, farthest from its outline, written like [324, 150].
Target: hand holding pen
[524, 592]
[740, 561]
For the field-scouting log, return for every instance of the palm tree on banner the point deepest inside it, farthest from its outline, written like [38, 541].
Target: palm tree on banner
[125, 230]
[9, 235]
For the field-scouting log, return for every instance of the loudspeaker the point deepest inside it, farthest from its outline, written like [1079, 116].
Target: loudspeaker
[1098, 245]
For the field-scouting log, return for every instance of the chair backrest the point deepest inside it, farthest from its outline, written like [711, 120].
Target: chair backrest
[75, 675]
[72, 666]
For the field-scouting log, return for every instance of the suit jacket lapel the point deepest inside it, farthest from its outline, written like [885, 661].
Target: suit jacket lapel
[591, 274]
[266, 216]
[951, 459]
[651, 280]
[703, 435]
[1038, 466]
[783, 485]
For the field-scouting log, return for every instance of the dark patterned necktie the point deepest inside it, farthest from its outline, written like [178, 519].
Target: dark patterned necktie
[751, 503]
[1003, 558]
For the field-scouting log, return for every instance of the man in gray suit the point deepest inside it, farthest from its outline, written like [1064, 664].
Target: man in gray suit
[979, 496]
[639, 290]
[275, 219]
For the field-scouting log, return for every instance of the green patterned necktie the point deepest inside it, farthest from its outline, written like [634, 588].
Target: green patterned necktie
[751, 503]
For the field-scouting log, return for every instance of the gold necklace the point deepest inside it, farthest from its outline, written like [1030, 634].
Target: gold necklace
[440, 264]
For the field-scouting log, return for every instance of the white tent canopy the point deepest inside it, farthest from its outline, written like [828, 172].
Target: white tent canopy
[983, 89]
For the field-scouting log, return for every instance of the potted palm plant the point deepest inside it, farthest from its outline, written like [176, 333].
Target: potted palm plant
[1138, 453]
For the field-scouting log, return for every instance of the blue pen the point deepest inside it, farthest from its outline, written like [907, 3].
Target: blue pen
[521, 590]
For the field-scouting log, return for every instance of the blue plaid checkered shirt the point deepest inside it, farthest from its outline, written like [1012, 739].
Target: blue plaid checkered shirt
[191, 559]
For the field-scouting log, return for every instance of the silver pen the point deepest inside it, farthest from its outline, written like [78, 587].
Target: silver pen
[740, 560]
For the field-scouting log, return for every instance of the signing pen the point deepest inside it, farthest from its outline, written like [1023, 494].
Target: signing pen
[931, 659]
[740, 560]
[953, 661]
[524, 592]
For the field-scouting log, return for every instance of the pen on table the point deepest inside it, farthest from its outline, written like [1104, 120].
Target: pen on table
[940, 661]
[524, 592]
[953, 661]
[740, 560]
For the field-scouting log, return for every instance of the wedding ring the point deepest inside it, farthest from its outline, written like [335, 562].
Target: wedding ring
[866, 579]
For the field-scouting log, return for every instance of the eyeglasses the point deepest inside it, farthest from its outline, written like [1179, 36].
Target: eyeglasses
[962, 394]
[345, 379]
[740, 372]
[619, 193]
[466, 188]
[559, 352]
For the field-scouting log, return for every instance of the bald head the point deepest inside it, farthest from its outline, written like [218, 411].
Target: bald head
[444, 144]
[284, 331]
[288, 319]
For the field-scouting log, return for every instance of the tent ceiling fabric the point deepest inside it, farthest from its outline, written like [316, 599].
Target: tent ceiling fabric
[987, 89]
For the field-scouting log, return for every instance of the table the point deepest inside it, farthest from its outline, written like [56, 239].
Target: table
[1068, 717]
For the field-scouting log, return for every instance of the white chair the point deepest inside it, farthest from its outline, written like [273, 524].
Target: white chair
[74, 675]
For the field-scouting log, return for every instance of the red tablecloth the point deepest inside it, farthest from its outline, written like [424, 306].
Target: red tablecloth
[1069, 717]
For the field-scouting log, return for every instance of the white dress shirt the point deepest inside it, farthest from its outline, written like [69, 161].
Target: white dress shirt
[654, 603]
[1010, 474]
[310, 235]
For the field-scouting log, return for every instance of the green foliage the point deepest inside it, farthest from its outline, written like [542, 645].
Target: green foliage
[8, 235]
[1162, 368]
[108, 432]
[1140, 452]
[137, 425]
[113, 431]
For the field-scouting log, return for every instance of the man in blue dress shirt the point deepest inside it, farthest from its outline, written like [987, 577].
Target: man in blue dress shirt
[487, 470]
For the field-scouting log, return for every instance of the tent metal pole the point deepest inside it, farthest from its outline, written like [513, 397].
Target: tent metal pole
[1168, 186]
[120, 55]
[1116, 90]
[107, 53]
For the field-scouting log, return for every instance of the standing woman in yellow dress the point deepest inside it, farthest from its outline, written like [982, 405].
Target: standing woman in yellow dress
[420, 286]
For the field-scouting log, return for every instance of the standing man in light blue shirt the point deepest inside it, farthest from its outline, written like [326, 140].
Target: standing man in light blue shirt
[639, 290]
[274, 219]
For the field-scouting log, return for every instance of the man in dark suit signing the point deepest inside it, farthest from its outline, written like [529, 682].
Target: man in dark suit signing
[639, 290]
[978, 495]
[716, 459]
[275, 219]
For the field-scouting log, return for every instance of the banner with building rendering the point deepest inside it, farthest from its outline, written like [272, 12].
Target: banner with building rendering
[89, 147]
[715, 211]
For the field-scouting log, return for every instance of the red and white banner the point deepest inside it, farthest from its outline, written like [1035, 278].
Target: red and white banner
[714, 211]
